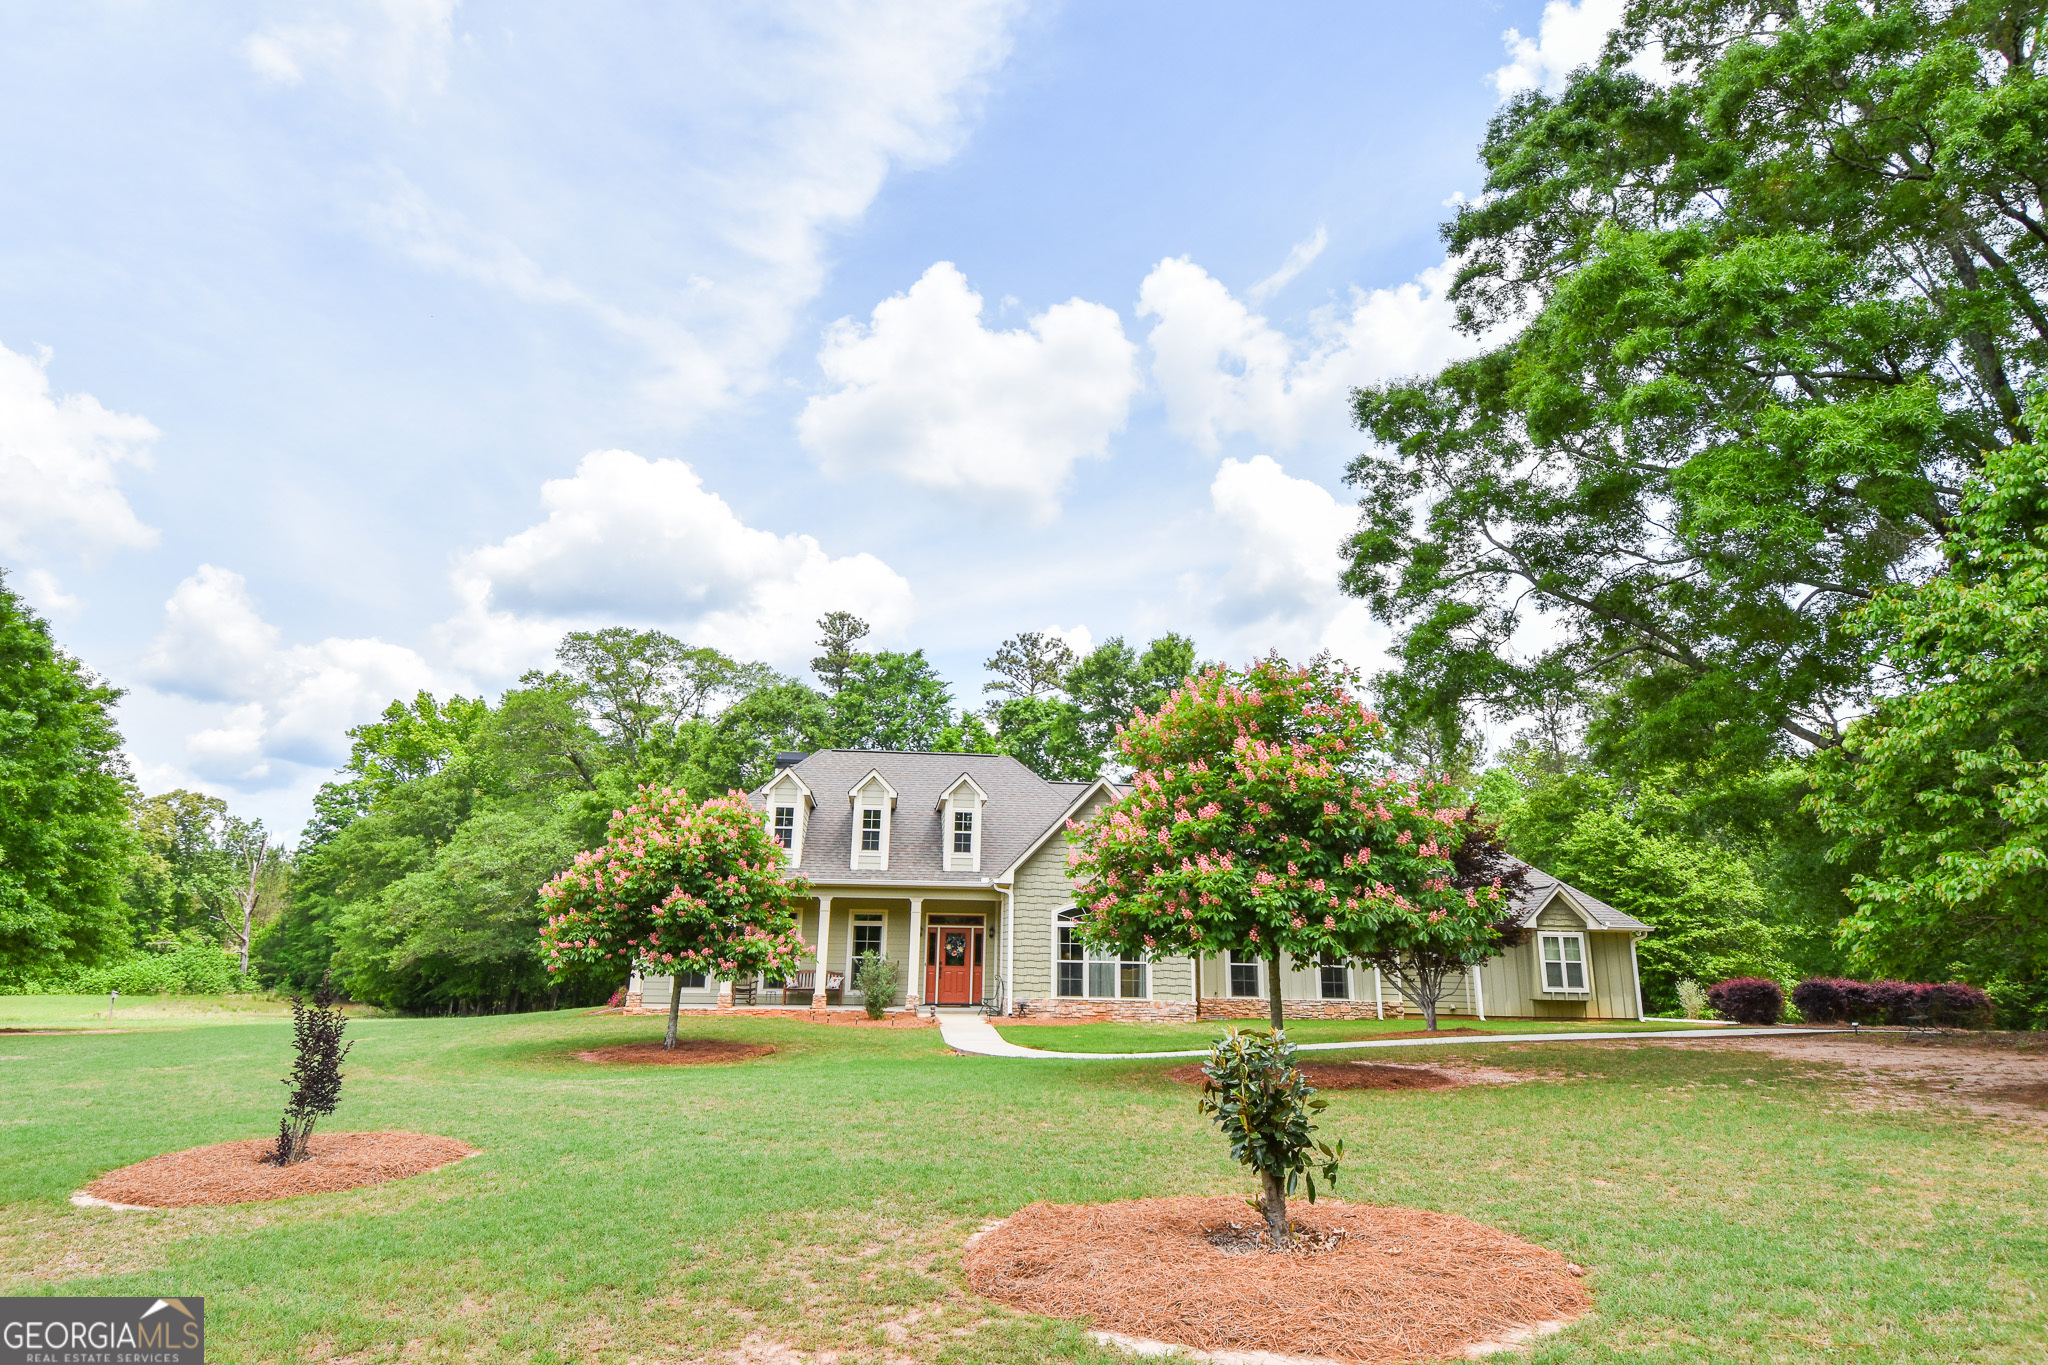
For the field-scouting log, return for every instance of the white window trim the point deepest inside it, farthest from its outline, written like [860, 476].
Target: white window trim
[855, 918]
[1258, 966]
[855, 797]
[1088, 959]
[1543, 985]
[964, 795]
[789, 790]
[1350, 983]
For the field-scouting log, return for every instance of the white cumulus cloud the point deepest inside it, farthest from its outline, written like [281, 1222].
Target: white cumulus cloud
[276, 706]
[1279, 588]
[1225, 370]
[1570, 35]
[60, 474]
[643, 541]
[393, 46]
[925, 391]
[701, 249]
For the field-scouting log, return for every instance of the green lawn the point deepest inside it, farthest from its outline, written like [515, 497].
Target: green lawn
[820, 1196]
[134, 1011]
[1172, 1037]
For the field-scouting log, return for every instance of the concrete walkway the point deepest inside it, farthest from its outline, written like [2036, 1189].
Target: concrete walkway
[974, 1033]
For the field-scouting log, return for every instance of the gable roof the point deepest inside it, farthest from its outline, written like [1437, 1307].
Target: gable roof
[1541, 888]
[1021, 807]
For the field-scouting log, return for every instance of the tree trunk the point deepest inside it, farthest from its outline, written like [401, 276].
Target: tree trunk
[1273, 1204]
[1276, 1013]
[1429, 1012]
[675, 1002]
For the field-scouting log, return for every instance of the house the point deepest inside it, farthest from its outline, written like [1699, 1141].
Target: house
[953, 866]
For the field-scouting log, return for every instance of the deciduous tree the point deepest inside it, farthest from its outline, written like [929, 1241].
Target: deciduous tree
[1262, 819]
[64, 841]
[677, 887]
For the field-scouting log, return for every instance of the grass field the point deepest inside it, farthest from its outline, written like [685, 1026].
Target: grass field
[133, 1011]
[1171, 1037]
[819, 1197]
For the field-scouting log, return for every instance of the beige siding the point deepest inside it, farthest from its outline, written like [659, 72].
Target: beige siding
[1042, 893]
[1513, 980]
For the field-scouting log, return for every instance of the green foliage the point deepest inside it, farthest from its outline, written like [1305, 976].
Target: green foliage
[1940, 797]
[64, 842]
[1072, 737]
[838, 632]
[1778, 311]
[1711, 915]
[461, 931]
[1252, 1090]
[1261, 819]
[196, 966]
[889, 700]
[179, 875]
[875, 979]
[676, 887]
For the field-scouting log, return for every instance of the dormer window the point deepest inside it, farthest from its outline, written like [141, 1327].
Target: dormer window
[789, 805]
[874, 803]
[960, 818]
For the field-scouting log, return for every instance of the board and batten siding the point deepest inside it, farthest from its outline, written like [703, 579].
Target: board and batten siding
[1513, 982]
[1041, 894]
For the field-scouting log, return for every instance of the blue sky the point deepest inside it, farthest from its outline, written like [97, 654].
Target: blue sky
[351, 348]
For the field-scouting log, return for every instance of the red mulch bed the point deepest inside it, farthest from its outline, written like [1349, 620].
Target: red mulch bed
[1351, 1076]
[1382, 1285]
[235, 1172]
[686, 1052]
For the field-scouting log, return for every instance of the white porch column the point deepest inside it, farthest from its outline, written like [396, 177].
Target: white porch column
[913, 991]
[1637, 972]
[1478, 994]
[1009, 953]
[824, 943]
[1379, 996]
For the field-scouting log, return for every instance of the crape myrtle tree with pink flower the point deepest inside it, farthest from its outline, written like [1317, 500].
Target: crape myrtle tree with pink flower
[1262, 819]
[677, 888]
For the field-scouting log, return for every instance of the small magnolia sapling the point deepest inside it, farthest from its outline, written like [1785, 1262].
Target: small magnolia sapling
[316, 1073]
[1253, 1091]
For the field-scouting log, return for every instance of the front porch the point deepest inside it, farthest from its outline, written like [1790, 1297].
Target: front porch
[948, 951]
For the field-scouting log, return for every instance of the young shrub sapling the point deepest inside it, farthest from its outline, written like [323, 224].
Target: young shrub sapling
[875, 979]
[1253, 1091]
[316, 1073]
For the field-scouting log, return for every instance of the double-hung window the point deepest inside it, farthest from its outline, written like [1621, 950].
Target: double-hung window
[1564, 961]
[1244, 974]
[867, 936]
[1097, 973]
[963, 831]
[785, 826]
[1336, 978]
[690, 981]
[1073, 959]
[871, 830]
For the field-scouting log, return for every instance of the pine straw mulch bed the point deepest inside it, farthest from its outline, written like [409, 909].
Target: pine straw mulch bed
[1378, 1284]
[235, 1172]
[686, 1052]
[1351, 1076]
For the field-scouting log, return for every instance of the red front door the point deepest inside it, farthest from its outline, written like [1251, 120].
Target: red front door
[953, 964]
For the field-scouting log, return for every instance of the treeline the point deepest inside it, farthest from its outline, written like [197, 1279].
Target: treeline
[415, 882]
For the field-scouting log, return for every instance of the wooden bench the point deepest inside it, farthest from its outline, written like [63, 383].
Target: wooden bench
[808, 981]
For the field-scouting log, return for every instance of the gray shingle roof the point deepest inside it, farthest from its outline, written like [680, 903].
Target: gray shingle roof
[1539, 888]
[1021, 807]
